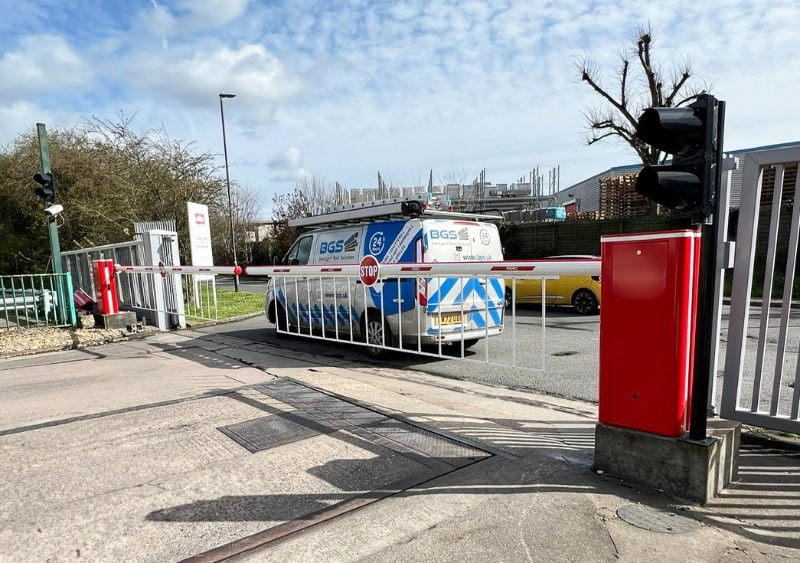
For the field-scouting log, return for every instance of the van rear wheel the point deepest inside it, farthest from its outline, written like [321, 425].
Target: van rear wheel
[376, 334]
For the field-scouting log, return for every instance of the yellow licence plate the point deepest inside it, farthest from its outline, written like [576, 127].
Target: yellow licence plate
[447, 319]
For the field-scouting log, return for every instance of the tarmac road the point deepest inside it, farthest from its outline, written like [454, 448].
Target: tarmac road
[570, 358]
[194, 444]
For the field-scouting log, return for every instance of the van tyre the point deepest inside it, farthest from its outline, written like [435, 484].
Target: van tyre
[584, 302]
[281, 325]
[376, 333]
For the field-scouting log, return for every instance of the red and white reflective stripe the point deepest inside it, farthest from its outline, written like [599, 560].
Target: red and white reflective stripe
[422, 291]
[512, 268]
[422, 283]
[81, 298]
[232, 270]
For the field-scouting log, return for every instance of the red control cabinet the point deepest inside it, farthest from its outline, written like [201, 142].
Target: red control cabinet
[105, 285]
[649, 297]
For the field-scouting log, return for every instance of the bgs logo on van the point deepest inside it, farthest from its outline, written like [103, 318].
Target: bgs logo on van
[441, 234]
[342, 245]
[449, 234]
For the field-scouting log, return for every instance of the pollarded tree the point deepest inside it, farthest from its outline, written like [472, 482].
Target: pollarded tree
[639, 84]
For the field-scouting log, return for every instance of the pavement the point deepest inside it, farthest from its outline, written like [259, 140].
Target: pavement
[202, 447]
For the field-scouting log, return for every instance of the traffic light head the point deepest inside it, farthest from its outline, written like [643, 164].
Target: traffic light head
[46, 189]
[693, 136]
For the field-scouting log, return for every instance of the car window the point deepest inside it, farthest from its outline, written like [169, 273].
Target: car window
[300, 252]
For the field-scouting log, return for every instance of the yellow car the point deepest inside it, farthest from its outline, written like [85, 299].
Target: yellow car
[582, 292]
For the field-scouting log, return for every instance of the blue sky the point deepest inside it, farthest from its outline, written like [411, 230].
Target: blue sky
[344, 89]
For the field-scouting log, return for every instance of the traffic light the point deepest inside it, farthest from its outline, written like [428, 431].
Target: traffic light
[46, 189]
[693, 136]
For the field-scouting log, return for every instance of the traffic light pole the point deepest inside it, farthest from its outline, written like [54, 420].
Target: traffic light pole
[55, 247]
[710, 272]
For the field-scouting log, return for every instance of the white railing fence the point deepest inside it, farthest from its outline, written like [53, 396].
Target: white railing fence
[326, 295]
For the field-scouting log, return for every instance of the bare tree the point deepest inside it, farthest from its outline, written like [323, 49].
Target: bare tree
[638, 84]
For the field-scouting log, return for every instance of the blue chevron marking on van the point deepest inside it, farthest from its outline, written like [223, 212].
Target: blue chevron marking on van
[330, 316]
[342, 316]
[476, 318]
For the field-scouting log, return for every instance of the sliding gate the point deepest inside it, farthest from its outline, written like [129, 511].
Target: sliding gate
[761, 385]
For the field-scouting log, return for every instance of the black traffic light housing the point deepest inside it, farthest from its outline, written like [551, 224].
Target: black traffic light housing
[693, 135]
[46, 189]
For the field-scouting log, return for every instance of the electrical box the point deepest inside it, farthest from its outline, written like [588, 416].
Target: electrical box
[647, 323]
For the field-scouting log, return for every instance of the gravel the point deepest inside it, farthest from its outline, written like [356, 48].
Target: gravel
[24, 341]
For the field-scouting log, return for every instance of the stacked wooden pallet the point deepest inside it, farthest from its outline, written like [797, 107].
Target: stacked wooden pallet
[789, 183]
[619, 199]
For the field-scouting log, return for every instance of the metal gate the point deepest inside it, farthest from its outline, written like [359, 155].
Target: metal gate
[325, 298]
[761, 385]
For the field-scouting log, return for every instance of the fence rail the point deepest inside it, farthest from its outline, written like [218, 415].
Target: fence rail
[326, 297]
[36, 300]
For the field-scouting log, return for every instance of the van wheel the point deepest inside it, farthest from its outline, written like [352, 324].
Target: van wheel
[584, 302]
[375, 332]
[281, 325]
[470, 343]
[280, 322]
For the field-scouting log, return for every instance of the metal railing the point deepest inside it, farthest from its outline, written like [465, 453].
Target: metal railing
[325, 307]
[79, 262]
[178, 292]
[36, 300]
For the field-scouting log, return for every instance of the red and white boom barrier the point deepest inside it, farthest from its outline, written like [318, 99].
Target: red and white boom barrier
[164, 270]
[506, 269]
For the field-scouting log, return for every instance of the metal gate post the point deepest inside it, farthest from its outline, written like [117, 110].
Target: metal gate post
[161, 249]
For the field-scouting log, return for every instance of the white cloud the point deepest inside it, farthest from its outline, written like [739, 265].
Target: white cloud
[288, 166]
[189, 16]
[42, 63]
[342, 90]
[251, 72]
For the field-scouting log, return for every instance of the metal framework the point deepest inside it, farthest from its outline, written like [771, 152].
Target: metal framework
[761, 387]
[409, 206]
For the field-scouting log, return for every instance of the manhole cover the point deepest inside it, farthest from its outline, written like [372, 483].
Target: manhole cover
[270, 431]
[657, 520]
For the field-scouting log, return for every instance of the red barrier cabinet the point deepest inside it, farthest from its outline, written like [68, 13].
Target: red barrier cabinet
[649, 293]
[105, 285]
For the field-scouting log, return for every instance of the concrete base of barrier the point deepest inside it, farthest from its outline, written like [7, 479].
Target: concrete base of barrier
[681, 467]
[125, 320]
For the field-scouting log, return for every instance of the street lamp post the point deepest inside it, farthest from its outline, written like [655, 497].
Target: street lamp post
[228, 182]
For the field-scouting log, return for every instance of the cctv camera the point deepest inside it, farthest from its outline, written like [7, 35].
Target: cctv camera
[53, 210]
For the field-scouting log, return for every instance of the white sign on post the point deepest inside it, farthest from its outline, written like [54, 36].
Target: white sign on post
[200, 242]
[200, 234]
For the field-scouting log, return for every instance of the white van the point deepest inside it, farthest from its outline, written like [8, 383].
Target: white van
[395, 312]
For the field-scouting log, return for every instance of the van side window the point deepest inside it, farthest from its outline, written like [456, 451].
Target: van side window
[300, 252]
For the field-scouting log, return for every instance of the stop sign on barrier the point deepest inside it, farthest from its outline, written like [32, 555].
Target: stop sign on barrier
[368, 270]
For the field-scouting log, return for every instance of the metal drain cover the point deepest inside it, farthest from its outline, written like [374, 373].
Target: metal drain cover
[657, 520]
[270, 431]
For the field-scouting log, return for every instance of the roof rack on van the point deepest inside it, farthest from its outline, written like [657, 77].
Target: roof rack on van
[409, 206]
